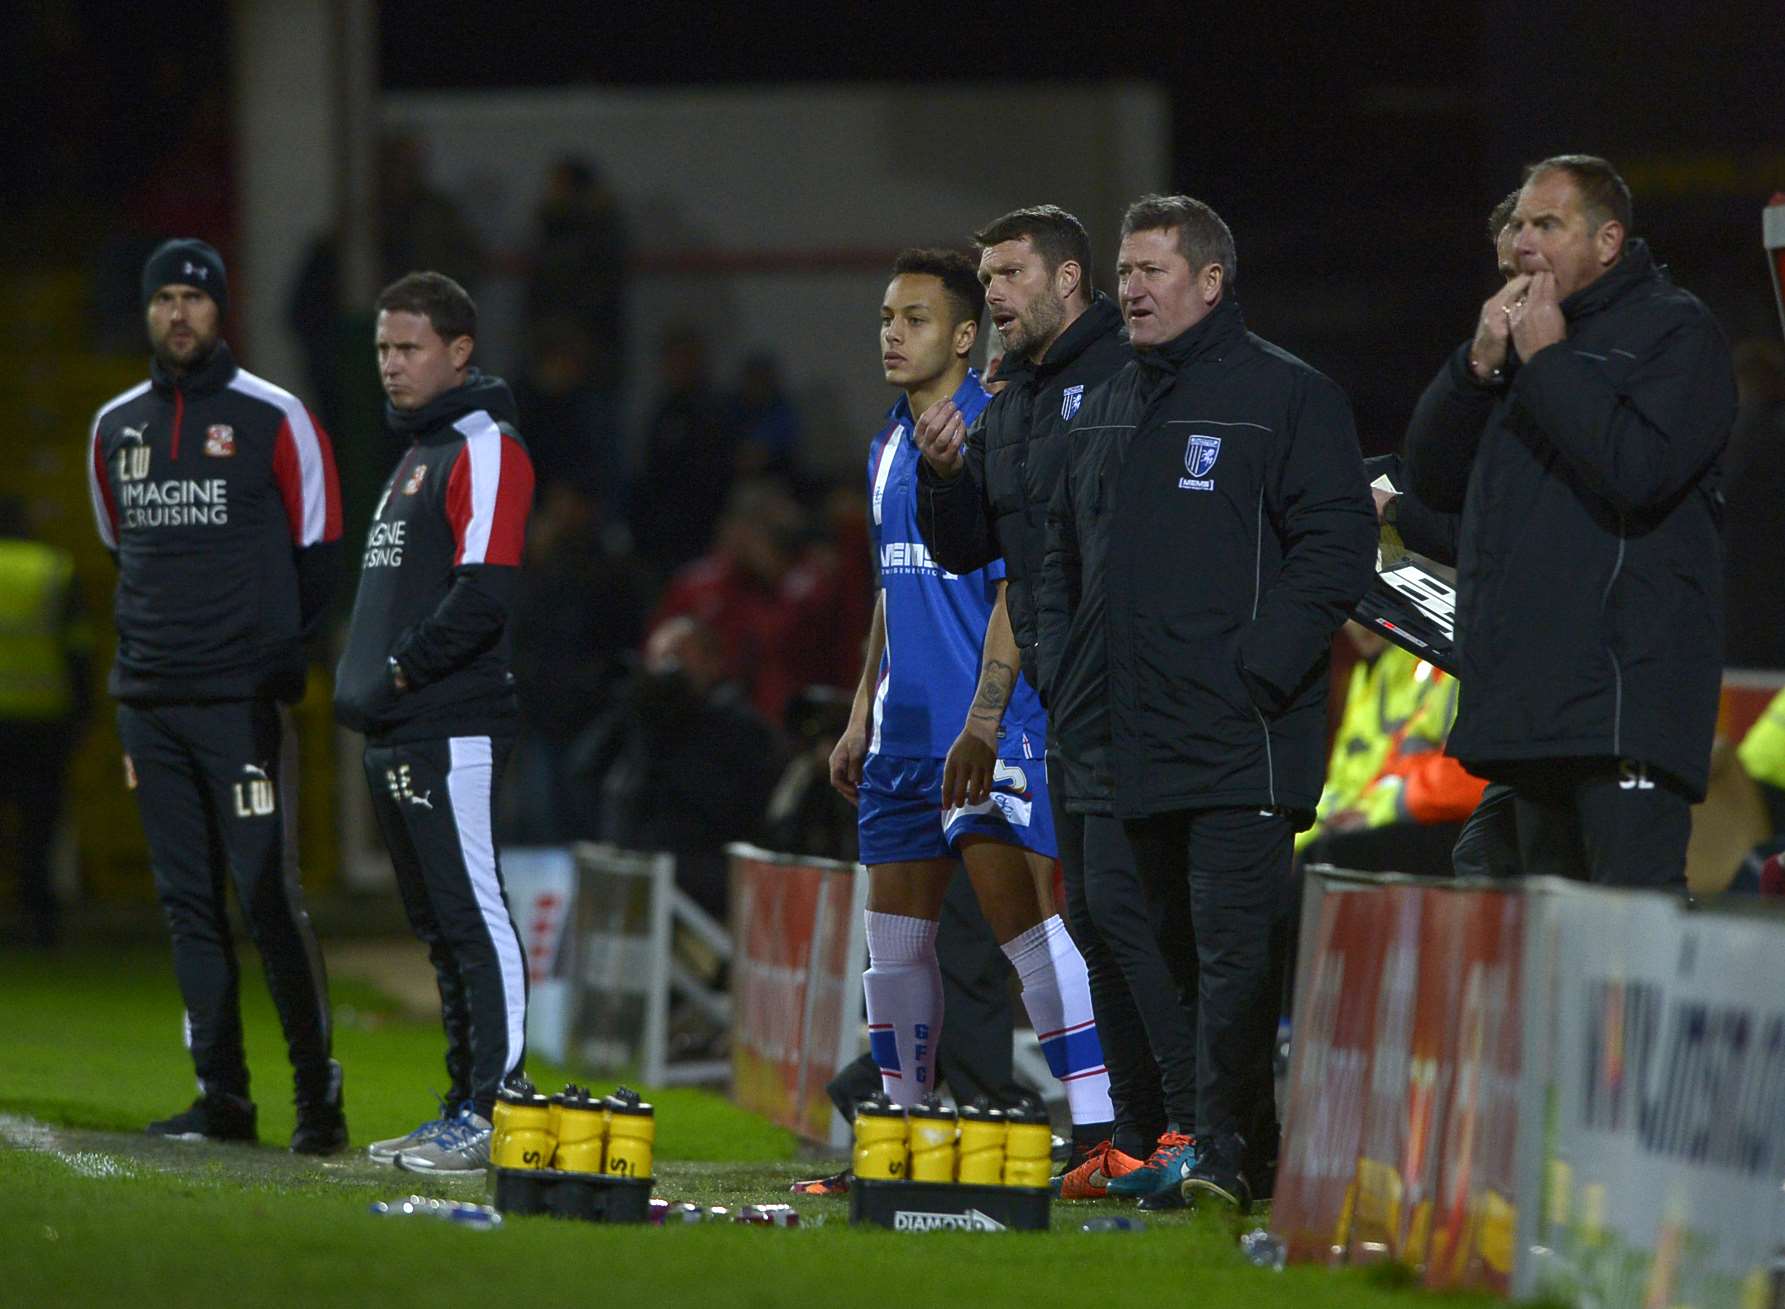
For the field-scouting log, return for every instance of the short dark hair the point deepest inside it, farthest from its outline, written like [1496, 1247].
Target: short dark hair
[1056, 235]
[957, 272]
[1202, 237]
[1499, 216]
[446, 305]
[1603, 194]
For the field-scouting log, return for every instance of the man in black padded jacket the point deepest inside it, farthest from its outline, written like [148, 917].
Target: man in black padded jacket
[1212, 531]
[983, 494]
[1579, 434]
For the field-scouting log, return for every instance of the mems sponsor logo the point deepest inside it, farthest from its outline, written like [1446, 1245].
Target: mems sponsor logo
[910, 557]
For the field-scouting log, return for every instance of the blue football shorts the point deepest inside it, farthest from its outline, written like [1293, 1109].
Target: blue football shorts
[900, 817]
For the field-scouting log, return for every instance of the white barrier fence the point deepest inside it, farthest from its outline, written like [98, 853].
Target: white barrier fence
[615, 950]
[1661, 1068]
[1547, 1089]
[612, 944]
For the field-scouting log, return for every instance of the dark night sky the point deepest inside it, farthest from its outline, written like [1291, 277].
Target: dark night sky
[1354, 148]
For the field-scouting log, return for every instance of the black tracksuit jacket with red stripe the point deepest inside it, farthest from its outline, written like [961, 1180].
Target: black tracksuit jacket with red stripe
[438, 575]
[216, 493]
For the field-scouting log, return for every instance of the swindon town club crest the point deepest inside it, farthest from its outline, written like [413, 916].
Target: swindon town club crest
[220, 441]
[414, 483]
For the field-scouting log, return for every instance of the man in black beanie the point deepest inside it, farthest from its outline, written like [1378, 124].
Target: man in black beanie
[215, 491]
[187, 261]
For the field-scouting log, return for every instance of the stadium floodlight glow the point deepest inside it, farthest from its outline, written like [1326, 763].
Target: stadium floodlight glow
[1772, 228]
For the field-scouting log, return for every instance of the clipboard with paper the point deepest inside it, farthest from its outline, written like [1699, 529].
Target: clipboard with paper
[1412, 600]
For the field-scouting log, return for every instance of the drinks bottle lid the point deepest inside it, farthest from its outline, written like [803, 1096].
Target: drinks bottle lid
[1028, 1110]
[982, 1110]
[625, 1100]
[518, 1090]
[878, 1106]
[578, 1097]
[931, 1107]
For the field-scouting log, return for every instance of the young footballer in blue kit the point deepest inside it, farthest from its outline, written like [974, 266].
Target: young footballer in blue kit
[944, 753]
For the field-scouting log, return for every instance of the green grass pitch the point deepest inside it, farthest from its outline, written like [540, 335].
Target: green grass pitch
[94, 1213]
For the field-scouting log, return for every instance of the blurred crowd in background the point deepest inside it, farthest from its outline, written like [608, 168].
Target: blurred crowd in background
[694, 598]
[692, 612]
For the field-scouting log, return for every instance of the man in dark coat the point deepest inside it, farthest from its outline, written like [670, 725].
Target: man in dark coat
[1211, 533]
[1579, 434]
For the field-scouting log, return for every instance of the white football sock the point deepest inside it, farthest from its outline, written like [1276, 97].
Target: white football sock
[1058, 997]
[903, 989]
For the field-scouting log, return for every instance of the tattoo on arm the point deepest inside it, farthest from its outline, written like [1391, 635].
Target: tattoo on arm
[996, 680]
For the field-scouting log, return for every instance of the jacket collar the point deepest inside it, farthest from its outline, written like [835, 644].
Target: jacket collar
[1098, 321]
[1219, 331]
[963, 394]
[1636, 267]
[207, 379]
[478, 391]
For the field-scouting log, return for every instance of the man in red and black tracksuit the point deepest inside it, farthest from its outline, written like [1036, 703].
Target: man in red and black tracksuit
[216, 493]
[426, 676]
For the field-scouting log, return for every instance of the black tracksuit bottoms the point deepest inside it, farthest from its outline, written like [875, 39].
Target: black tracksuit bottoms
[1488, 844]
[217, 788]
[1235, 864]
[434, 801]
[1144, 1001]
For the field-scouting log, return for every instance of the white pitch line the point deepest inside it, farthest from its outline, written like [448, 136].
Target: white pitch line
[28, 1134]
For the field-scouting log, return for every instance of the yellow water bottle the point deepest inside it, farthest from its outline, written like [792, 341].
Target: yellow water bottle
[557, 1106]
[880, 1136]
[1029, 1145]
[522, 1127]
[582, 1131]
[983, 1129]
[931, 1127]
[632, 1128]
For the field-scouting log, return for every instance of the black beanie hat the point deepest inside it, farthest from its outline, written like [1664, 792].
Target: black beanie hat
[190, 261]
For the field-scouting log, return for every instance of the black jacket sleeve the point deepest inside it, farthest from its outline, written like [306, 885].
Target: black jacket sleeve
[1325, 521]
[954, 513]
[318, 573]
[1425, 530]
[468, 621]
[1640, 442]
[1059, 587]
[1445, 433]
